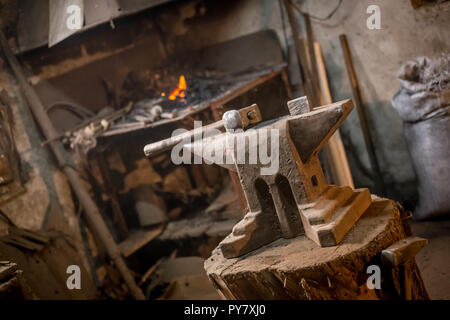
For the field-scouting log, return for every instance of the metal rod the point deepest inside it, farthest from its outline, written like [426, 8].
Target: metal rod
[378, 179]
[93, 215]
[156, 148]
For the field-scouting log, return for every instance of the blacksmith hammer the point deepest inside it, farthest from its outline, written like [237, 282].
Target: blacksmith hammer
[401, 255]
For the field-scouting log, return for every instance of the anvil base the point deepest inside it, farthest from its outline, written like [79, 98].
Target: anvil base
[325, 221]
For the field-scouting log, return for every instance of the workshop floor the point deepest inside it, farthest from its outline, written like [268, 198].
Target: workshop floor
[434, 259]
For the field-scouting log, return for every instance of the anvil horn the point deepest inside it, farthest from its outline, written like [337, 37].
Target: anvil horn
[206, 148]
[310, 131]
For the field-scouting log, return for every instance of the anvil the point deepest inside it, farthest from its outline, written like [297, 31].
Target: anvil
[295, 199]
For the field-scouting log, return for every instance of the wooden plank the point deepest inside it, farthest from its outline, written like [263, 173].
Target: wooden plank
[139, 239]
[313, 60]
[377, 176]
[307, 76]
[334, 149]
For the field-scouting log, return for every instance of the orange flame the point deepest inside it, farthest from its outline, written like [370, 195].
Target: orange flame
[180, 91]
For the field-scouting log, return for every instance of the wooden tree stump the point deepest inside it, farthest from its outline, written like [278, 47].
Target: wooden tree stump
[300, 269]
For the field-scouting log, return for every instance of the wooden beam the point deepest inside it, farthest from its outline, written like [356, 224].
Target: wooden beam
[335, 151]
[306, 72]
[377, 177]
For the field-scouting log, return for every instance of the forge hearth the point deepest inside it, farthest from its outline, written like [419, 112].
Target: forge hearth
[204, 90]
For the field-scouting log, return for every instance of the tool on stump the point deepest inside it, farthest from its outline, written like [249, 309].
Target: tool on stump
[401, 255]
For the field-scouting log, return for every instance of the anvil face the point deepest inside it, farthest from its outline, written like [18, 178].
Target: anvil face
[278, 186]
